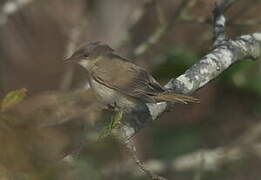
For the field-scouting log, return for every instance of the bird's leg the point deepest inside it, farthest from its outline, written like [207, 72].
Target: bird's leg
[113, 107]
[110, 107]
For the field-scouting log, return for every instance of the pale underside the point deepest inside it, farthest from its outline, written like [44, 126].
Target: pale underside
[109, 96]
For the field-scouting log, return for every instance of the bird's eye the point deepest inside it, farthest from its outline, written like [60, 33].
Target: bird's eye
[86, 55]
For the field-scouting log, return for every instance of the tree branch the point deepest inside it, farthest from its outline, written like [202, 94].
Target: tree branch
[225, 53]
[132, 151]
[62, 107]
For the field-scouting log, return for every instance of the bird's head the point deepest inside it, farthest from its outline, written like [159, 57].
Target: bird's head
[89, 53]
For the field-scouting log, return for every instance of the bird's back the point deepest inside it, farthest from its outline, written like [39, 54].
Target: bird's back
[126, 78]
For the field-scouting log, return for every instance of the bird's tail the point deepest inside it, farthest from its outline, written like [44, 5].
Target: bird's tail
[172, 97]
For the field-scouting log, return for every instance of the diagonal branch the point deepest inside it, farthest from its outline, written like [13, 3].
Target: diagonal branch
[132, 151]
[225, 53]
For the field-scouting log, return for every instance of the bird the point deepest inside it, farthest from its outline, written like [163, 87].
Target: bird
[119, 83]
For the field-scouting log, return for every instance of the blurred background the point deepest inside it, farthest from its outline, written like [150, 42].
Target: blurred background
[166, 37]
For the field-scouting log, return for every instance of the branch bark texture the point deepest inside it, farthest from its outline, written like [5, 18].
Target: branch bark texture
[225, 52]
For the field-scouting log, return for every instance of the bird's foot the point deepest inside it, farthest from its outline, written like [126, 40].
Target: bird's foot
[113, 107]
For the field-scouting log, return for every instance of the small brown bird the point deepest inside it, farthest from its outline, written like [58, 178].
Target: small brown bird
[119, 83]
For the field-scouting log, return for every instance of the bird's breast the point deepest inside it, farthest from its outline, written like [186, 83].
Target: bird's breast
[109, 96]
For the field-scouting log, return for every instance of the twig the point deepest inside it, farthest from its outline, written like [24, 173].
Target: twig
[219, 23]
[190, 5]
[132, 150]
[159, 32]
[138, 13]
[186, 18]
[212, 159]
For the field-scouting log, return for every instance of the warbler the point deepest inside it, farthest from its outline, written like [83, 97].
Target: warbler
[119, 83]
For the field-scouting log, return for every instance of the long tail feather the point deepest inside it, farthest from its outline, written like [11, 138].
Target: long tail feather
[171, 96]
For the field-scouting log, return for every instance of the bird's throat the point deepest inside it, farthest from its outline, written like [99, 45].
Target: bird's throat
[88, 64]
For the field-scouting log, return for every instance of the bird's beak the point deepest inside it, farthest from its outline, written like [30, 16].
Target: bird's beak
[69, 60]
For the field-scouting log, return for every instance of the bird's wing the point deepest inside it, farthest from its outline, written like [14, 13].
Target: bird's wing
[126, 78]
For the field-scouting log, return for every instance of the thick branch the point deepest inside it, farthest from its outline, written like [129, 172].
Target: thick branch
[225, 53]
[208, 68]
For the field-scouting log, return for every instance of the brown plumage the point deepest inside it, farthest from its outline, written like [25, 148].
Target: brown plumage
[116, 80]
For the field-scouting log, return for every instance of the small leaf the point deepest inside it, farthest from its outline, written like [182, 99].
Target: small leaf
[105, 132]
[115, 120]
[13, 97]
[114, 125]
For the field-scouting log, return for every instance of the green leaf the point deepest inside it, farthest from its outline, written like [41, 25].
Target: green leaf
[114, 125]
[13, 97]
[115, 120]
